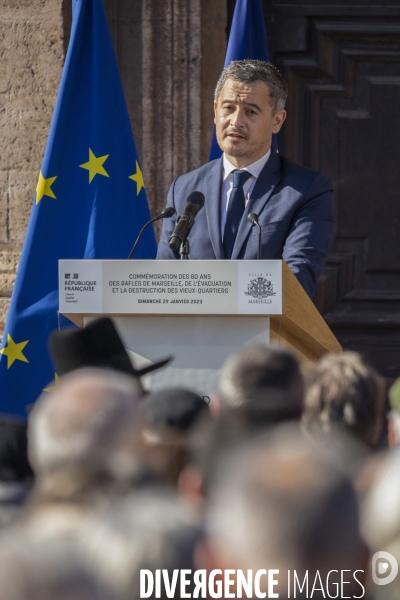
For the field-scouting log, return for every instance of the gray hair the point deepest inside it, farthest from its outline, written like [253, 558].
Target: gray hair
[80, 421]
[249, 71]
[46, 569]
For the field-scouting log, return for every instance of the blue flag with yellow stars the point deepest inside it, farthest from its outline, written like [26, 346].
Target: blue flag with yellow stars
[247, 39]
[90, 202]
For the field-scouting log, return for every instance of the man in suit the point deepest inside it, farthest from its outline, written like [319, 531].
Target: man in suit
[293, 203]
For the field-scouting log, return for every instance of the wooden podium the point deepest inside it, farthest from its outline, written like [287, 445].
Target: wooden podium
[198, 311]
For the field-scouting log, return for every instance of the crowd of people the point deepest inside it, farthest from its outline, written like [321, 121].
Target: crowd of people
[291, 471]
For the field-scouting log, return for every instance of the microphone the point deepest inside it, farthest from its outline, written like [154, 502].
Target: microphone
[166, 214]
[185, 222]
[253, 219]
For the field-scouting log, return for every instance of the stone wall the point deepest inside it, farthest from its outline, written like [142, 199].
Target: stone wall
[170, 53]
[31, 59]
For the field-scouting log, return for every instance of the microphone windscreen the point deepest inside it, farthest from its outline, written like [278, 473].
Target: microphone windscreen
[196, 198]
[252, 218]
[168, 212]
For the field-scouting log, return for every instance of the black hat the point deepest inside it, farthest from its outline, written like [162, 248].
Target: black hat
[173, 407]
[96, 345]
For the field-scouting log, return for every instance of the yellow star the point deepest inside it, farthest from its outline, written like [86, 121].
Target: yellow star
[43, 187]
[13, 351]
[138, 177]
[95, 165]
[51, 388]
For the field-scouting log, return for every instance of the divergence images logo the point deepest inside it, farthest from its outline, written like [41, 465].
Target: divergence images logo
[380, 568]
[260, 288]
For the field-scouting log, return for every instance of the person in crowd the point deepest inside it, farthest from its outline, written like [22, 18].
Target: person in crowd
[81, 441]
[381, 523]
[47, 569]
[169, 416]
[151, 529]
[208, 441]
[343, 390]
[260, 386]
[381, 509]
[280, 503]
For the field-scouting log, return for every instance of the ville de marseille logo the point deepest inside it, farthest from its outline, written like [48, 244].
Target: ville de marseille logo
[260, 288]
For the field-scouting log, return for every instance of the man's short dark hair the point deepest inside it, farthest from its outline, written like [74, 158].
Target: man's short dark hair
[249, 71]
[175, 408]
[262, 384]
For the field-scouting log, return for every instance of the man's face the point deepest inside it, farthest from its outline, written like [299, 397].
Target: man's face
[245, 121]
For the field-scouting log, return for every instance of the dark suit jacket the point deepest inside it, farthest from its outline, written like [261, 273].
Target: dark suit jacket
[295, 210]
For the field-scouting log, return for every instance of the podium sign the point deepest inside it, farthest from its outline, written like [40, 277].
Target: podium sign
[219, 287]
[199, 311]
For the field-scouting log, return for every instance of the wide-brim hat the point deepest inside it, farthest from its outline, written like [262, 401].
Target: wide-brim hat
[96, 345]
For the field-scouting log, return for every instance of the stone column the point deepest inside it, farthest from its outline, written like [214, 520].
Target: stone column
[184, 43]
[171, 102]
[213, 50]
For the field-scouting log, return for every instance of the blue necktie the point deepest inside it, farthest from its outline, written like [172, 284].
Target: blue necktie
[235, 211]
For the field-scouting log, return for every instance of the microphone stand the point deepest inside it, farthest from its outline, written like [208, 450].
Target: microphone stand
[184, 249]
[166, 214]
[253, 219]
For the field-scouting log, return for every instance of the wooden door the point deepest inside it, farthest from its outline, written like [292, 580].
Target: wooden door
[342, 63]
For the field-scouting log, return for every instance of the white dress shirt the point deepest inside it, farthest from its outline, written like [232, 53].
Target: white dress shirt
[255, 169]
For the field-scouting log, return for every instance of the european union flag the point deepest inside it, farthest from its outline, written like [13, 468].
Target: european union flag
[90, 202]
[247, 39]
